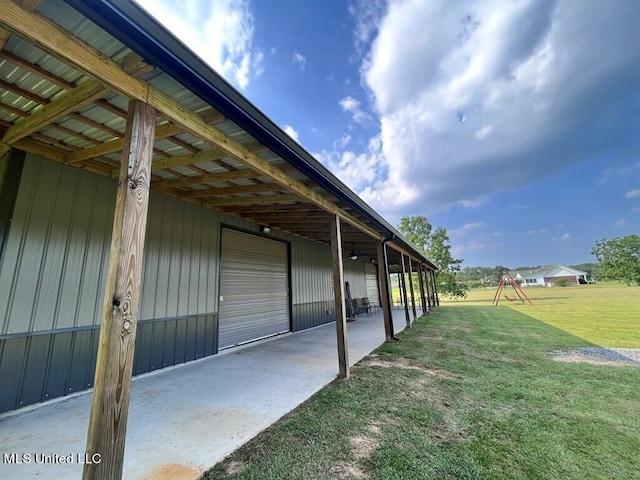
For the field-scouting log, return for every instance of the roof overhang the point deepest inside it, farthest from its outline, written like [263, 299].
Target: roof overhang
[70, 75]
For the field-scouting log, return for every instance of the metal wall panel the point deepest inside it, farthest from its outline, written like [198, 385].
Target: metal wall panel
[354, 274]
[12, 362]
[371, 280]
[180, 263]
[52, 274]
[254, 288]
[40, 366]
[54, 267]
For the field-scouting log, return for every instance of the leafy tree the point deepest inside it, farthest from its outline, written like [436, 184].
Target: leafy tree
[618, 258]
[585, 267]
[436, 246]
[417, 230]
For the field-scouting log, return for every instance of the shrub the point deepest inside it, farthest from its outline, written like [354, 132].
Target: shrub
[562, 282]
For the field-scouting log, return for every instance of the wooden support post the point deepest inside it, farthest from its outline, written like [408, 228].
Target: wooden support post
[385, 301]
[427, 280]
[413, 295]
[435, 288]
[112, 384]
[423, 299]
[403, 291]
[338, 290]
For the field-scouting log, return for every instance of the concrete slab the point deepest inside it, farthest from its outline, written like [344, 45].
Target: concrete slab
[184, 420]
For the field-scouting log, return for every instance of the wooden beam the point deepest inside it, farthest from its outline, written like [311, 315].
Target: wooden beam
[36, 69]
[383, 281]
[255, 200]
[30, 6]
[403, 291]
[338, 291]
[192, 123]
[22, 92]
[275, 216]
[110, 400]
[54, 39]
[41, 149]
[231, 190]
[189, 159]
[116, 145]
[204, 179]
[298, 207]
[70, 101]
[413, 295]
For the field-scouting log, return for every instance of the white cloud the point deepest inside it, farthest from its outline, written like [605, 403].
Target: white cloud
[471, 246]
[289, 130]
[367, 15]
[299, 60]
[467, 227]
[360, 171]
[523, 75]
[616, 172]
[354, 107]
[633, 193]
[537, 232]
[562, 238]
[621, 222]
[484, 132]
[220, 32]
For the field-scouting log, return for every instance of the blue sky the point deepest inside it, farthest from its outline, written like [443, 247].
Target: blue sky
[513, 124]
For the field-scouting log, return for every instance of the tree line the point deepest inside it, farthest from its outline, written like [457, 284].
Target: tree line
[617, 259]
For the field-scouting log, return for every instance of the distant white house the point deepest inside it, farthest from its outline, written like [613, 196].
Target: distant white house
[548, 275]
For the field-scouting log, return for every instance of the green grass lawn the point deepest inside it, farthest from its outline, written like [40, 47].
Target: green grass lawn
[606, 314]
[472, 391]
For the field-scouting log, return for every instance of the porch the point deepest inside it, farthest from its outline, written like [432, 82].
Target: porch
[185, 419]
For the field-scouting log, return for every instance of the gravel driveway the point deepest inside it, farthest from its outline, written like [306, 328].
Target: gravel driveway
[602, 356]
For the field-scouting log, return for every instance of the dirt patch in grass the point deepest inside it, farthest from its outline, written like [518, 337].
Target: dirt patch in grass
[363, 446]
[346, 471]
[235, 467]
[400, 362]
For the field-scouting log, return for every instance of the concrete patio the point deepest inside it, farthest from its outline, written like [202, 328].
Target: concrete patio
[184, 420]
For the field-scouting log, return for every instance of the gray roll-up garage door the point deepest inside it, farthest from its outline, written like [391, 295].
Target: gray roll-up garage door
[254, 288]
[371, 279]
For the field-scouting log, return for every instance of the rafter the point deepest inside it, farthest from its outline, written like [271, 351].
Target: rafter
[203, 179]
[36, 69]
[59, 42]
[256, 200]
[233, 190]
[74, 98]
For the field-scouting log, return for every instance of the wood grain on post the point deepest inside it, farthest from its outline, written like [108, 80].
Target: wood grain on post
[112, 384]
[338, 290]
[403, 291]
[413, 295]
[383, 281]
[422, 294]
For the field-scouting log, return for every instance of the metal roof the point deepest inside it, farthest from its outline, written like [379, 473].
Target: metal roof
[35, 77]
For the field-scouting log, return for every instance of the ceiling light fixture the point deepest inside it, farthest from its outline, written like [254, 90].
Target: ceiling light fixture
[353, 255]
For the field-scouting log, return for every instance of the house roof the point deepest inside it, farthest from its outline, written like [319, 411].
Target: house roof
[69, 71]
[545, 271]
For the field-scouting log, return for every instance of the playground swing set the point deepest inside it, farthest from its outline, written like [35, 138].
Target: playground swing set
[507, 279]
